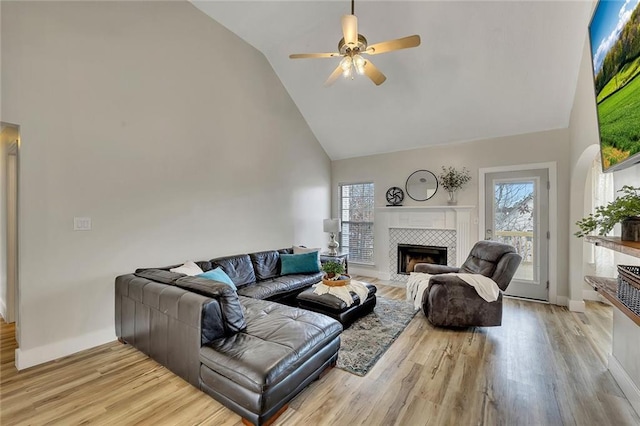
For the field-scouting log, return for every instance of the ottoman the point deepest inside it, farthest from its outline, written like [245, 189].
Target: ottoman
[336, 308]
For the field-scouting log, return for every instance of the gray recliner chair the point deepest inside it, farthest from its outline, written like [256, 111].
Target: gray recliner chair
[450, 302]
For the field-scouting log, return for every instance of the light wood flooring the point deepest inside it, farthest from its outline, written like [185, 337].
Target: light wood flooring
[543, 366]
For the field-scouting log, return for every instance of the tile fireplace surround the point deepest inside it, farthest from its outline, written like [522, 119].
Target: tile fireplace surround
[443, 226]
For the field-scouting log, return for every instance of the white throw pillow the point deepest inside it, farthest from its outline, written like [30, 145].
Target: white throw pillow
[302, 250]
[189, 268]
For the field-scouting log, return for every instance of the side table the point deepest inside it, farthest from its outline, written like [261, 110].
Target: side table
[341, 258]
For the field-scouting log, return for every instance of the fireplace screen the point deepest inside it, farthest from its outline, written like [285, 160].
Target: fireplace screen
[410, 254]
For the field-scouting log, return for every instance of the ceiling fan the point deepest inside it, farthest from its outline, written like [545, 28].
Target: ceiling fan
[353, 45]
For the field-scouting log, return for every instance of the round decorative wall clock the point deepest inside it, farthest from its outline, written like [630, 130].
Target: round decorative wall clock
[394, 196]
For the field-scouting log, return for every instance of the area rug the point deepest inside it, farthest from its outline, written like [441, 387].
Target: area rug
[369, 337]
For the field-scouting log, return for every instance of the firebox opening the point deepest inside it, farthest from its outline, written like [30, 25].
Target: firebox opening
[410, 254]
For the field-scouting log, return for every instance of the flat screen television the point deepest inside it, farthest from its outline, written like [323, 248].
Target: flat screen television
[614, 33]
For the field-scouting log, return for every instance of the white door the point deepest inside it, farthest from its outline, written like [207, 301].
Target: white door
[517, 213]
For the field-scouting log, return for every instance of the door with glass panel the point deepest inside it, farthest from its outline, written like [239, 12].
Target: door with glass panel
[517, 213]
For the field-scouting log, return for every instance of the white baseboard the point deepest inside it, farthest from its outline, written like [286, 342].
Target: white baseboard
[364, 271]
[562, 301]
[41, 354]
[591, 295]
[629, 388]
[576, 305]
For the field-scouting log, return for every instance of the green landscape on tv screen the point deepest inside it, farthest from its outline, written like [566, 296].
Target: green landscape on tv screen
[615, 51]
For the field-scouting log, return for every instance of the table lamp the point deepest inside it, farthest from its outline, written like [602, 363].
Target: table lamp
[332, 226]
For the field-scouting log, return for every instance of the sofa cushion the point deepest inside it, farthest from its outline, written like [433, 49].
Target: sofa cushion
[219, 275]
[266, 264]
[226, 297]
[484, 257]
[159, 275]
[306, 263]
[239, 268]
[277, 340]
[278, 286]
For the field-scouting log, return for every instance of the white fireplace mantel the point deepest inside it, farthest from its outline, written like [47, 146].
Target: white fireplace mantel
[456, 218]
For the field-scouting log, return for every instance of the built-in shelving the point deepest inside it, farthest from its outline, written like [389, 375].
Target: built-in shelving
[614, 243]
[608, 287]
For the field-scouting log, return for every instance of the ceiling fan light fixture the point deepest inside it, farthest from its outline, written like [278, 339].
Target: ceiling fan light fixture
[358, 64]
[352, 45]
[346, 65]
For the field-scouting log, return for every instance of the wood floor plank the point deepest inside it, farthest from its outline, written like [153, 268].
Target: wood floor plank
[543, 366]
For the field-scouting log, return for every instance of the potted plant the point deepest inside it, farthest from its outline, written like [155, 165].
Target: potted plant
[625, 210]
[334, 274]
[452, 180]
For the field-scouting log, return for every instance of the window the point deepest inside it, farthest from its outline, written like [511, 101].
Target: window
[356, 214]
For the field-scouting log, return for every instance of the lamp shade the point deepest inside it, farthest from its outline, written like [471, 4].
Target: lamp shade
[331, 225]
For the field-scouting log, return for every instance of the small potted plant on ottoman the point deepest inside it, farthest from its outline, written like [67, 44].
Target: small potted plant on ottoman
[334, 275]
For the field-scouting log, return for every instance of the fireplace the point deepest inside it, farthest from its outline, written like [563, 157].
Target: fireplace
[411, 254]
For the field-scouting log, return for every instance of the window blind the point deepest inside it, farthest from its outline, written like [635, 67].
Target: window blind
[356, 214]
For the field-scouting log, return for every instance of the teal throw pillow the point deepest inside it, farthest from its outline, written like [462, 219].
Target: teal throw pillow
[218, 274]
[306, 263]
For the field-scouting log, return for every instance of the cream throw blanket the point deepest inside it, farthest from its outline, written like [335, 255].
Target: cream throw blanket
[342, 292]
[419, 281]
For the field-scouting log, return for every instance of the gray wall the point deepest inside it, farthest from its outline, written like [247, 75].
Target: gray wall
[387, 170]
[170, 132]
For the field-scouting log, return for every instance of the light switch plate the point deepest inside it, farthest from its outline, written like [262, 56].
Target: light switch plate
[82, 224]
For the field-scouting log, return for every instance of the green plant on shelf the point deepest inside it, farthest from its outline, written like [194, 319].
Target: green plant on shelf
[606, 217]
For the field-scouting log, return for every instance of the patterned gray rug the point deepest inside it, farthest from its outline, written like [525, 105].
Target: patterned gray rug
[369, 337]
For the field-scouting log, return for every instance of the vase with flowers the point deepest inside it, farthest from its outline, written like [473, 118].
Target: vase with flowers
[453, 180]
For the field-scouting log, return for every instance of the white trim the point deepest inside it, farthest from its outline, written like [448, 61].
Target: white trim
[41, 354]
[364, 271]
[456, 208]
[3, 310]
[422, 228]
[591, 295]
[524, 299]
[629, 388]
[553, 216]
[562, 301]
[576, 305]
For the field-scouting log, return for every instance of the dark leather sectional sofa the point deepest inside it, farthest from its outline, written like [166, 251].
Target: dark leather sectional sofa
[245, 350]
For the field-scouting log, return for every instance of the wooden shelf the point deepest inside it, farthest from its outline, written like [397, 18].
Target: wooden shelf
[614, 243]
[608, 288]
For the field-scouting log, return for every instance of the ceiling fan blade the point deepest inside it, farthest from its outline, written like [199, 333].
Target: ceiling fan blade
[334, 76]
[313, 55]
[390, 45]
[350, 30]
[374, 73]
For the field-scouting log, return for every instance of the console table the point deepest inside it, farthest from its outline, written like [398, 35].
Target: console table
[624, 361]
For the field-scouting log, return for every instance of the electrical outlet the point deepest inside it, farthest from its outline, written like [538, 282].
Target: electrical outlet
[82, 224]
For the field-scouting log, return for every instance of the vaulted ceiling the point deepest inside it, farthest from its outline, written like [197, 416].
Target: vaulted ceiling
[484, 69]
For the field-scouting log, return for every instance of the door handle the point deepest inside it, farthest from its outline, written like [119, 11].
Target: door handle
[488, 234]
